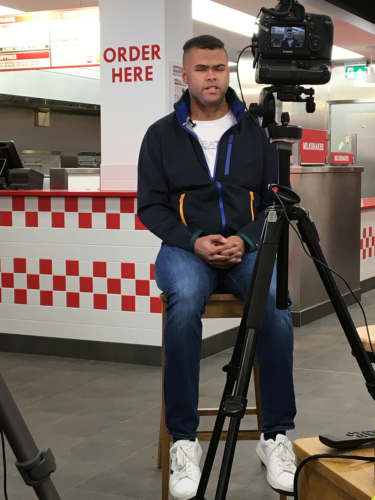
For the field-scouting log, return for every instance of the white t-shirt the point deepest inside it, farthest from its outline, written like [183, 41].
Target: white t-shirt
[209, 134]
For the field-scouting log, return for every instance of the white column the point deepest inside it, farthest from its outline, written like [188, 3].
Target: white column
[139, 39]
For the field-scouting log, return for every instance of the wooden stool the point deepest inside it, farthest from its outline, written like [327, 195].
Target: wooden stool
[362, 332]
[219, 305]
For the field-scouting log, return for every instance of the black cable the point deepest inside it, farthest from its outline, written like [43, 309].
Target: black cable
[327, 267]
[238, 74]
[325, 455]
[4, 463]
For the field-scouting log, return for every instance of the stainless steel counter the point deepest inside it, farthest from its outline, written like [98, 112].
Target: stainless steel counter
[333, 195]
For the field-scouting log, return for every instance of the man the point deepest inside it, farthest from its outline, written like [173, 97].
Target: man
[203, 182]
[290, 42]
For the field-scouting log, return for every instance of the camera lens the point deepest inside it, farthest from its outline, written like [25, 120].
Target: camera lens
[316, 44]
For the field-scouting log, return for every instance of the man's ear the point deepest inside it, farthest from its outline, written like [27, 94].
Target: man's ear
[184, 76]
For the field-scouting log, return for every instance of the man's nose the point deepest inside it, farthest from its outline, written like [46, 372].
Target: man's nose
[211, 75]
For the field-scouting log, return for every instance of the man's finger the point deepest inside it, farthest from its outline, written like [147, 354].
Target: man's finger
[230, 252]
[218, 238]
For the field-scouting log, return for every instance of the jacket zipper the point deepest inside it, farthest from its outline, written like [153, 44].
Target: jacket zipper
[252, 205]
[221, 203]
[223, 220]
[229, 152]
[182, 208]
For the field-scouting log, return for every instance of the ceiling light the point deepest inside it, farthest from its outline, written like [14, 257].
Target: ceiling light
[232, 64]
[223, 17]
[7, 10]
[344, 54]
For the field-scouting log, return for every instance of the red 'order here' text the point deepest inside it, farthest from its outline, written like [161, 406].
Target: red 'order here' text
[132, 53]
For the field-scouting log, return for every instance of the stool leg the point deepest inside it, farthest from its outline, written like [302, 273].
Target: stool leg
[258, 402]
[164, 439]
[165, 464]
[160, 439]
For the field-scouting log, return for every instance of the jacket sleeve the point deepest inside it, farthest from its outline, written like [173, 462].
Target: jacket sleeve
[252, 232]
[153, 198]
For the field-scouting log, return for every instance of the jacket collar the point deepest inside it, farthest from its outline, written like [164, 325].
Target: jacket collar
[183, 105]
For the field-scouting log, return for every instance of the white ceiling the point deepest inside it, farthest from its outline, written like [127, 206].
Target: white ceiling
[351, 32]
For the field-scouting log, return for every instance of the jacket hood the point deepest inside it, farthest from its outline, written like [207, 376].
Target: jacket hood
[183, 105]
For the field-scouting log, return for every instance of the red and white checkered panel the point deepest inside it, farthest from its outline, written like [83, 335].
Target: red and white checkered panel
[49, 259]
[368, 242]
[81, 212]
[117, 286]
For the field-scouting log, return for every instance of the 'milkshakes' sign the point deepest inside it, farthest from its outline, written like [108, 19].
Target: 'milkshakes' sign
[313, 147]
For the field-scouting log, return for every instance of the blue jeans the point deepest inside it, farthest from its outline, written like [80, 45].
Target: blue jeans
[188, 281]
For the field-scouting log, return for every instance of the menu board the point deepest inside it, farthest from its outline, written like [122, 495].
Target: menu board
[55, 39]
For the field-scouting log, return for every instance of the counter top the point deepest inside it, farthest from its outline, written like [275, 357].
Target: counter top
[65, 192]
[325, 169]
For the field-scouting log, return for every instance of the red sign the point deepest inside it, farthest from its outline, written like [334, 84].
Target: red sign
[24, 60]
[342, 158]
[313, 147]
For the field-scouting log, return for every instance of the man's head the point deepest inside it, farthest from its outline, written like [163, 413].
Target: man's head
[289, 33]
[206, 70]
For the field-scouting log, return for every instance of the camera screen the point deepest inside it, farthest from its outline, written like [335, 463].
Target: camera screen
[288, 37]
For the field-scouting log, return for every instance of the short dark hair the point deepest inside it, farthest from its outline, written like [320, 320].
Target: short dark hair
[203, 42]
[289, 29]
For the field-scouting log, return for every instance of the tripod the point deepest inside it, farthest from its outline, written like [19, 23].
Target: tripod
[34, 466]
[274, 242]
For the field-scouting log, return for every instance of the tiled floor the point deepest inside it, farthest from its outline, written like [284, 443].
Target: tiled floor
[101, 420]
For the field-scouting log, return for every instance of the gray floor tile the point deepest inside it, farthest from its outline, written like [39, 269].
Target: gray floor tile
[258, 490]
[80, 494]
[120, 480]
[342, 385]
[69, 431]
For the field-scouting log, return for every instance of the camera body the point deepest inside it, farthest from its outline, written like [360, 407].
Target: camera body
[293, 47]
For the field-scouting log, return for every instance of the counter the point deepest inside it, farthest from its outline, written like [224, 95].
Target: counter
[77, 268]
[333, 196]
[77, 278]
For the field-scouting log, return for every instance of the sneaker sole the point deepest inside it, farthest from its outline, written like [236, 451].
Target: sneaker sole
[184, 498]
[274, 485]
[277, 488]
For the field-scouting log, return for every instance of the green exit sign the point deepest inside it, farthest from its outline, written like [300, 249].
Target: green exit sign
[355, 71]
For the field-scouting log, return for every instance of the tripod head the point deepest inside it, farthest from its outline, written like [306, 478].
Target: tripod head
[266, 108]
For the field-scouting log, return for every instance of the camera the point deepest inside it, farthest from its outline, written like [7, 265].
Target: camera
[293, 47]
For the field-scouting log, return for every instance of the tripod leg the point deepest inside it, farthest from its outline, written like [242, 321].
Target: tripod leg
[34, 466]
[232, 374]
[310, 236]
[235, 406]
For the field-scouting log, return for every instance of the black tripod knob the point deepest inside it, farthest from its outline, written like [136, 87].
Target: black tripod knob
[285, 118]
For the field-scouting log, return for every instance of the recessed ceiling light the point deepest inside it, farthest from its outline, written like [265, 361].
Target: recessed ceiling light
[7, 10]
[224, 17]
[338, 53]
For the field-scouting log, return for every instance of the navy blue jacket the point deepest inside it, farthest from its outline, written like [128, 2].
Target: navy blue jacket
[179, 200]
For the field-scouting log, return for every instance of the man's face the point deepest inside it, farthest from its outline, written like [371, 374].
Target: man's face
[207, 74]
[290, 34]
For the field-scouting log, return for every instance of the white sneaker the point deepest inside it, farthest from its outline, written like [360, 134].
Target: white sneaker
[185, 473]
[280, 461]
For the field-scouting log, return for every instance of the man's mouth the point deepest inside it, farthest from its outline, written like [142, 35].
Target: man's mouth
[212, 88]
